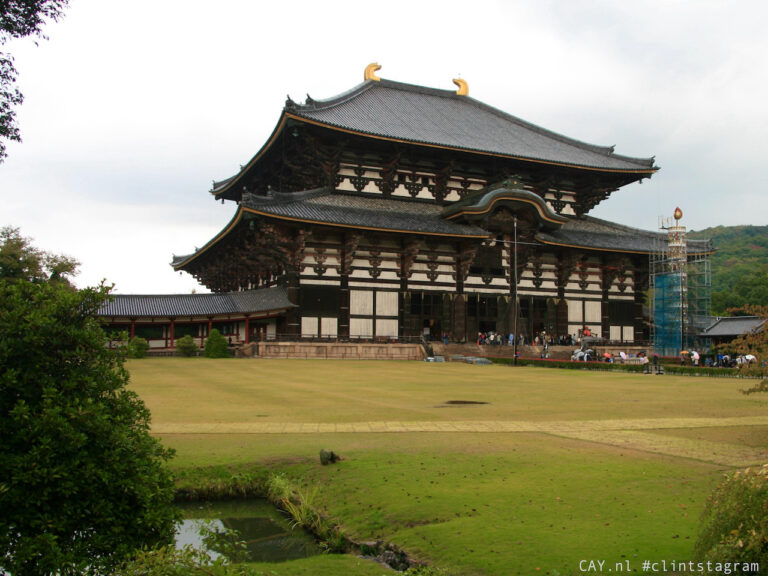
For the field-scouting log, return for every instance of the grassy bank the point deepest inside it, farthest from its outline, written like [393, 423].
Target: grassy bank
[605, 466]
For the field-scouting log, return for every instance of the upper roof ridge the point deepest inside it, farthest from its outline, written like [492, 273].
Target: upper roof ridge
[318, 105]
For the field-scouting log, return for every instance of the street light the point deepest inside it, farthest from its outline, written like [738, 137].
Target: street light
[515, 278]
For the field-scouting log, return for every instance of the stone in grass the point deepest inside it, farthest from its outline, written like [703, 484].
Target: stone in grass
[328, 457]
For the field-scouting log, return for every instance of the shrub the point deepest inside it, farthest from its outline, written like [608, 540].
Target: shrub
[186, 346]
[82, 482]
[735, 520]
[137, 347]
[761, 386]
[216, 345]
[328, 457]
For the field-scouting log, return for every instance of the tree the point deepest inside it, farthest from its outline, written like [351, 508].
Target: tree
[82, 482]
[18, 19]
[21, 261]
[734, 524]
[216, 345]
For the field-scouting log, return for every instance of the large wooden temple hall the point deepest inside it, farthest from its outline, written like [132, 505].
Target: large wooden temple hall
[394, 211]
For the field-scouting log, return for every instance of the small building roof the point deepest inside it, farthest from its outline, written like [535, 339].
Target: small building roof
[179, 305]
[733, 326]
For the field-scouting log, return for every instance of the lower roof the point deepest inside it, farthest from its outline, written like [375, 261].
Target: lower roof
[735, 326]
[592, 233]
[180, 305]
[325, 206]
[332, 208]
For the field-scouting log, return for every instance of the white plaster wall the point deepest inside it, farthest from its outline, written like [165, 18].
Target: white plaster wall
[360, 328]
[386, 304]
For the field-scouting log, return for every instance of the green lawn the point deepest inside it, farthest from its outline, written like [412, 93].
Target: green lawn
[557, 467]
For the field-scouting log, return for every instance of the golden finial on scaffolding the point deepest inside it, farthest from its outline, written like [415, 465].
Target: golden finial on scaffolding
[678, 213]
[370, 72]
[463, 86]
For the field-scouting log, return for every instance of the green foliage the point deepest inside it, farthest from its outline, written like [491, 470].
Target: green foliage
[735, 521]
[300, 504]
[168, 561]
[21, 261]
[761, 386]
[137, 347]
[186, 346]
[216, 345]
[19, 18]
[82, 482]
[569, 365]
[637, 368]
[739, 267]
[424, 571]
[210, 483]
[755, 343]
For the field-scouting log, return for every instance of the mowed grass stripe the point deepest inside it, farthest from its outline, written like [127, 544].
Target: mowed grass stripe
[715, 452]
[202, 390]
[565, 428]
[619, 433]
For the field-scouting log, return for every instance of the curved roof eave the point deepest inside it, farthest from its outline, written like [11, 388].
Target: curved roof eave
[242, 210]
[484, 203]
[177, 265]
[595, 248]
[225, 185]
[358, 226]
[647, 171]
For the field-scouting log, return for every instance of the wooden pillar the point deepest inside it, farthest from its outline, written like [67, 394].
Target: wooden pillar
[605, 323]
[343, 330]
[460, 317]
[293, 316]
[247, 329]
[459, 327]
[133, 328]
[171, 334]
[562, 317]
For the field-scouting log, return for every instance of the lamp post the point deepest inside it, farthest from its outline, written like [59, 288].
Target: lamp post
[515, 278]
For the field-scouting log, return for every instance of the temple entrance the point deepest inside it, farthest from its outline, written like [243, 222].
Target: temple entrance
[484, 310]
[543, 317]
[424, 313]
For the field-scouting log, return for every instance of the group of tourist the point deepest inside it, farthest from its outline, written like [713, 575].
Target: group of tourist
[492, 337]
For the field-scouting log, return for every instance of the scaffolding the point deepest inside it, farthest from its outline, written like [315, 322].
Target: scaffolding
[681, 289]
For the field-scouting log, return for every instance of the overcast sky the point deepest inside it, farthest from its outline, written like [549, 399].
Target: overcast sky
[133, 107]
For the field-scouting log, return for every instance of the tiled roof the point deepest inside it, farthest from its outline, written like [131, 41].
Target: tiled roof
[348, 210]
[594, 233]
[736, 326]
[406, 112]
[177, 305]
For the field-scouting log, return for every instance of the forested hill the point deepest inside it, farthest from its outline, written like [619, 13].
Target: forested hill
[739, 267]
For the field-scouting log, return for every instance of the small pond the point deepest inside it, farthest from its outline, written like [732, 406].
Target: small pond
[266, 532]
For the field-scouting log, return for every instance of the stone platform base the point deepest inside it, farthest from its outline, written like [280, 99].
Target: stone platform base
[334, 350]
